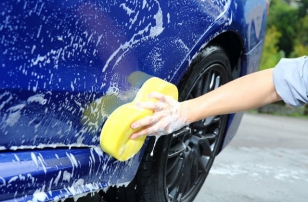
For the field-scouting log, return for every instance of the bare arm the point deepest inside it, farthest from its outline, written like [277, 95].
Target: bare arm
[248, 92]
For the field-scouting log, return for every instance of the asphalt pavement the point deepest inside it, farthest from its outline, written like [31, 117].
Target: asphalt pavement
[267, 161]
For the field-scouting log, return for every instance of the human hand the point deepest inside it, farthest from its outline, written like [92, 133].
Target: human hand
[167, 116]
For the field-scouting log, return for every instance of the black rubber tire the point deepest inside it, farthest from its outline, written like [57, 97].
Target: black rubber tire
[162, 177]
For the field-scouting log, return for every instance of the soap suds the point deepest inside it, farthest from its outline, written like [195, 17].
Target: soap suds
[156, 139]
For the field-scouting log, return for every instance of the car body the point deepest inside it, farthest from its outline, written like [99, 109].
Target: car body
[59, 58]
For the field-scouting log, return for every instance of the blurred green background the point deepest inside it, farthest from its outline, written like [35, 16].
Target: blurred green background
[287, 31]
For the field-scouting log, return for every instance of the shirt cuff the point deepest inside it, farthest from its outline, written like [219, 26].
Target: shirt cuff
[291, 80]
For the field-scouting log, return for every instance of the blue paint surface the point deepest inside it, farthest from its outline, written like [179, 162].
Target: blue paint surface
[61, 60]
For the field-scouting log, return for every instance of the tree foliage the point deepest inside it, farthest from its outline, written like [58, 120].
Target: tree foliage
[271, 54]
[303, 8]
[287, 32]
[284, 17]
[301, 41]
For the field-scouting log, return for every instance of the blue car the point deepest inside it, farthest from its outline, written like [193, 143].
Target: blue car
[67, 64]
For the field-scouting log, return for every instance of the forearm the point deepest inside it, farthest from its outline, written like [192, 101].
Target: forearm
[248, 92]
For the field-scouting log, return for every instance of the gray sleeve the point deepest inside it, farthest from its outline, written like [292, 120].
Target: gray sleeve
[291, 80]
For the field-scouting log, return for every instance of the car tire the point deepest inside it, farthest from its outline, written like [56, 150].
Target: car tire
[180, 162]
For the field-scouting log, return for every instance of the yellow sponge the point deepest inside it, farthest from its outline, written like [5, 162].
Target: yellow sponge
[115, 135]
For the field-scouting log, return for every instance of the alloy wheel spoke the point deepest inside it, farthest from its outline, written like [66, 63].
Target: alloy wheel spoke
[176, 150]
[207, 82]
[203, 146]
[172, 178]
[203, 164]
[212, 84]
[198, 88]
[195, 170]
[204, 124]
[186, 173]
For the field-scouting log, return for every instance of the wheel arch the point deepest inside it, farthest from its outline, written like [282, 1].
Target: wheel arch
[233, 44]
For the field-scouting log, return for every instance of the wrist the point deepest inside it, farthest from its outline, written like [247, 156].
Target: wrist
[185, 113]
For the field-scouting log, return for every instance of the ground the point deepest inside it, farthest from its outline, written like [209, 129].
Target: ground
[267, 161]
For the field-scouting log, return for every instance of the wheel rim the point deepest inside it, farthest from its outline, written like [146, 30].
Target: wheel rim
[192, 149]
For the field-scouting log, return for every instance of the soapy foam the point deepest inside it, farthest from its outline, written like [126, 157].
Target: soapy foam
[156, 139]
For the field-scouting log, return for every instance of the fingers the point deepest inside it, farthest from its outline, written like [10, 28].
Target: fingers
[150, 125]
[147, 121]
[143, 131]
[138, 134]
[163, 102]
[154, 106]
[151, 130]
[159, 96]
[155, 124]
